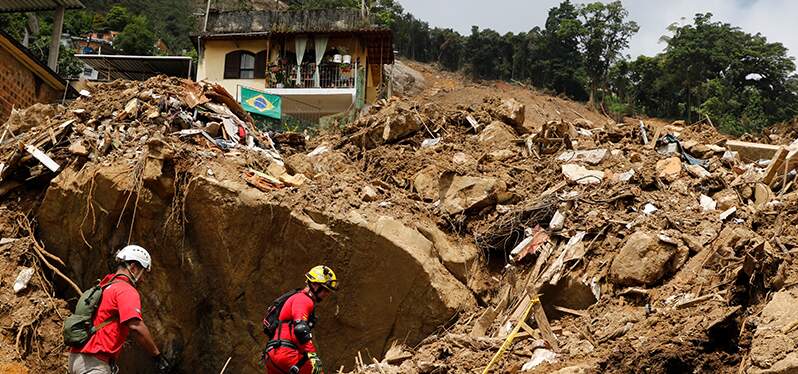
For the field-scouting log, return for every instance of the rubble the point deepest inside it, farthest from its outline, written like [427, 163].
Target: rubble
[479, 210]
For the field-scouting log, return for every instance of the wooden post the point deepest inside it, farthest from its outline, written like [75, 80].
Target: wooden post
[55, 43]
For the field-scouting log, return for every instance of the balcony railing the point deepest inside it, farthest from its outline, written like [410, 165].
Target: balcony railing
[330, 76]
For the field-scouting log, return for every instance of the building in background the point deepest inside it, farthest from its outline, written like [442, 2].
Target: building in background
[319, 62]
[24, 80]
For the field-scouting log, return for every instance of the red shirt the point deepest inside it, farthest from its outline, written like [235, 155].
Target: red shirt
[120, 300]
[297, 307]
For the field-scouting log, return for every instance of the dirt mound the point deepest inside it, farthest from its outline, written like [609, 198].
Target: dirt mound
[31, 316]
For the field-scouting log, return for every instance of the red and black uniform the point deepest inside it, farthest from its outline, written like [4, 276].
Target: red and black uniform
[288, 349]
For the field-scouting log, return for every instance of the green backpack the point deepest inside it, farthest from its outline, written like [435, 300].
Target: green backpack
[78, 327]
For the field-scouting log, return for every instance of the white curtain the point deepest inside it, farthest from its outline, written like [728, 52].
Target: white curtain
[300, 43]
[319, 46]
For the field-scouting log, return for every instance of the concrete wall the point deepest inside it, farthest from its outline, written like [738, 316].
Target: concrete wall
[20, 87]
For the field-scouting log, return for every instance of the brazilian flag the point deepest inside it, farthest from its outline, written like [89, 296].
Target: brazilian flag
[261, 103]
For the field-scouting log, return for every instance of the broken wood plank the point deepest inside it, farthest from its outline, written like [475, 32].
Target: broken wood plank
[43, 158]
[544, 326]
[750, 152]
[775, 165]
[571, 311]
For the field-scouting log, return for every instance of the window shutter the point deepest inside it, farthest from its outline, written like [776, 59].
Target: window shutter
[232, 64]
[260, 65]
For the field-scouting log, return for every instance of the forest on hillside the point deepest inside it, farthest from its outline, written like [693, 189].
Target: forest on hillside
[709, 68]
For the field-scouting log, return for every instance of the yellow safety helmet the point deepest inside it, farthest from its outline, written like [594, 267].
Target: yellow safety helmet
[324, 276]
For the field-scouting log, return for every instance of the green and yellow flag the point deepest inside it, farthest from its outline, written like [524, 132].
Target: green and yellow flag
[258, 102]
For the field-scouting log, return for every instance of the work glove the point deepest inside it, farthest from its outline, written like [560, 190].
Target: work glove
[163, 365]
[315, 363]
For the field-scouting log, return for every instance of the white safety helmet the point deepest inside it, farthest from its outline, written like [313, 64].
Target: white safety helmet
[135, 253]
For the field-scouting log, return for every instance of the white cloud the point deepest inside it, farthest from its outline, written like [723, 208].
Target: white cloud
[773, 18]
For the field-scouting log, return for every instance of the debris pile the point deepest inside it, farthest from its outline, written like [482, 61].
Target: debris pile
[645, 243]
[134, 121]
[560, 245]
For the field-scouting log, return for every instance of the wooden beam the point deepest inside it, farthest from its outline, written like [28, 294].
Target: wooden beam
[751, 152]
[775, 165]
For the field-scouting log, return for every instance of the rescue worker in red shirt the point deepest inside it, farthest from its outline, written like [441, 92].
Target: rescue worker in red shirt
[118, 314]
[291, 350]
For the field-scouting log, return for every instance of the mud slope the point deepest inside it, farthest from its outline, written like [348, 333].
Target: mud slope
[237, 251]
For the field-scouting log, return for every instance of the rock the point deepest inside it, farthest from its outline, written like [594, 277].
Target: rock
[299, 163]
[509, 111]
[369, 194]
[500, 155]
[77, 148]
[726, 199]
[579, 174]
[461, 158]
[463, 194]
[697, 171]
[425, 182]
[773, 349]
[458, 259]
[497, 135]
[643, 260]
[584, 123]
[406, 81]
[669, 168]
[593, 156]
[359, 247]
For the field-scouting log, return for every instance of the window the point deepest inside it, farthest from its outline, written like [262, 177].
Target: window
[247, 66]
[239, 65]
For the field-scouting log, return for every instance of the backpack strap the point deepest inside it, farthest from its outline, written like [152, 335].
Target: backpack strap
[108, 321]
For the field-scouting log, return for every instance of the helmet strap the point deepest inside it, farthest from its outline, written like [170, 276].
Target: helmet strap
[133, 276]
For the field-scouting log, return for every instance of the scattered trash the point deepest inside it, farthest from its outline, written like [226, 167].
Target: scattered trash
[707, 203]
[430, 142]
[581, 175]
[649, 208]
[538, 357]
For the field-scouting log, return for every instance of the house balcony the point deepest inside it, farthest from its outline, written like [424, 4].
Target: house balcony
[331, 76]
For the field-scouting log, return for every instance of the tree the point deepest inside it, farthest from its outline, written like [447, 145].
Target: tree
[117, 18]
[136, 38]
[557, 63]
[606, 33]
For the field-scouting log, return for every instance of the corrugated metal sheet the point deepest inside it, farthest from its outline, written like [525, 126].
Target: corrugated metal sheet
[137, 67]
[7, 6]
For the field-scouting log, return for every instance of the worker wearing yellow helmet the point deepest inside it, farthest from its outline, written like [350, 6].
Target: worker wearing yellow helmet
[289, 322]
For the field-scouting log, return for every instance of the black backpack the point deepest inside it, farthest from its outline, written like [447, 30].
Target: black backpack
[271, 320]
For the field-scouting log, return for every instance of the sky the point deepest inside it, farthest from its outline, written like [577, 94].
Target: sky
[775, 19]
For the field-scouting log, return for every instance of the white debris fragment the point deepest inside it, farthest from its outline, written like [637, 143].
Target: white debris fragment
[649, 208]
[538, 357]
[727, 213]
[707, 203]
[22, 279]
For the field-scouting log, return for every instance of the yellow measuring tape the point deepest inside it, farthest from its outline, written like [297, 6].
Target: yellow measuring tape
[509, 341]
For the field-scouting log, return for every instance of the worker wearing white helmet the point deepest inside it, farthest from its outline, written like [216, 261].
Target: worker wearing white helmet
[118, 314]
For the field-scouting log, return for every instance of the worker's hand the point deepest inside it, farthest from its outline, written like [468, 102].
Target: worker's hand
[163, 365]
[315, 363]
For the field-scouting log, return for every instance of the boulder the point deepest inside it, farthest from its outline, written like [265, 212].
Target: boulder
[773, 349]
[464, 194]
[643, 260]
[406, 81]
[669, 168]
[497, 135]
[458, 258]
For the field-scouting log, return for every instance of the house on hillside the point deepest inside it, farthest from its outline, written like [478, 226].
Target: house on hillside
[24, 80]
[319, 62]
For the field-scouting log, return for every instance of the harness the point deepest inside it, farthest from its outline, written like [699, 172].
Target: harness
[278, 343]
